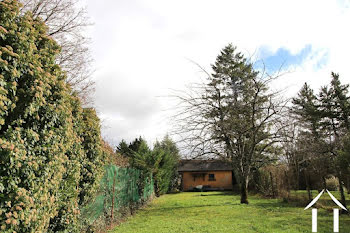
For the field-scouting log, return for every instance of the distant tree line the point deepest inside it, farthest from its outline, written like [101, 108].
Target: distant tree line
[322, 135]
[314, 149]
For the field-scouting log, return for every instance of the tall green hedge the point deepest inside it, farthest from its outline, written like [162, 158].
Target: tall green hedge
[51, 156]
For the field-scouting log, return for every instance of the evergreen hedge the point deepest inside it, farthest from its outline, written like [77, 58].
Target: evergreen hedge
[51, 157]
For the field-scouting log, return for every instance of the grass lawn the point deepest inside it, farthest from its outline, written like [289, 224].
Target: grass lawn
[222, 212]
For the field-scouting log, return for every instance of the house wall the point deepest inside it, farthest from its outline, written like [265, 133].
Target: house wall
[223, 180]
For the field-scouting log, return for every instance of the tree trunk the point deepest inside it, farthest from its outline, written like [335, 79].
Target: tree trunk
[343, 200]
[244, 191]
[297, 187]
[348, 184]
[324, 182]
[287, 184]
[113, 196]
[272, 186]
[307, 181]
[156, 188]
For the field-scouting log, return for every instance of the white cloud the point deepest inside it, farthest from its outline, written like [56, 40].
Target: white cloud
[142, 49]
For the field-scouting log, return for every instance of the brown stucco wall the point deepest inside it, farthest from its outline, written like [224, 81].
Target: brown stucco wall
[223, 180]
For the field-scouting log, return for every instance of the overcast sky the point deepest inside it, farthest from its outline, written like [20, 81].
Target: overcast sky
[142, 49]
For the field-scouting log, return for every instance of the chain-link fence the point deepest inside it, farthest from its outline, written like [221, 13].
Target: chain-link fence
[122, 191]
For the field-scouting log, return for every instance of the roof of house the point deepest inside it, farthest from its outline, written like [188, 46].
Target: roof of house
[204, 165]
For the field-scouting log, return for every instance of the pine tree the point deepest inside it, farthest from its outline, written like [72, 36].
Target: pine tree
[169, 164]
[335, 108]
[324, 125]
[306, 108]
[231, 116]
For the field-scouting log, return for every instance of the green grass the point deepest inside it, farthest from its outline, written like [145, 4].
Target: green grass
[222, 212]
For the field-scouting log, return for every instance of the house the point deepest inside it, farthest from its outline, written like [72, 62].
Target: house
[206, 175]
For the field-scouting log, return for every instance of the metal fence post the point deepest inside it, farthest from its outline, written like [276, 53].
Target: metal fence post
[113, 193]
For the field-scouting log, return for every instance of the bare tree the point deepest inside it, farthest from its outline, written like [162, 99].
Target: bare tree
[232, 116]
[67, 22]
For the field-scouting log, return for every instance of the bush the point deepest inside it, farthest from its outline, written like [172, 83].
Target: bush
[272, 181]
[332, 183]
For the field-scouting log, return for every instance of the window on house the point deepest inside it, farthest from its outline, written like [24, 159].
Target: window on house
[212, 177]
[198, 175]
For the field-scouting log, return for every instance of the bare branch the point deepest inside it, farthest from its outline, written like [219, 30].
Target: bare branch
[67, 22]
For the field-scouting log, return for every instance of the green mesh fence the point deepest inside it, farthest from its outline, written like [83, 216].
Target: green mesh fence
[122, 190]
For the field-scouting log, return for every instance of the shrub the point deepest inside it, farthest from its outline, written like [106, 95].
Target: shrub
[332, 183]
[272, 181]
